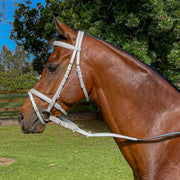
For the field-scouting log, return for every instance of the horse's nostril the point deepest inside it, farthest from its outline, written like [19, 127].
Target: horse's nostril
[20, 118]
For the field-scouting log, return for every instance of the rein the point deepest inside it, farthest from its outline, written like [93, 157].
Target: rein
[52, 102]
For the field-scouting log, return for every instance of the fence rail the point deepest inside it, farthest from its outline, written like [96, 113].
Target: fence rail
[9, 109]
[11, 102]
[14, 91]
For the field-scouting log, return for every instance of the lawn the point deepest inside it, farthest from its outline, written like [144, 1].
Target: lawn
[60, 154]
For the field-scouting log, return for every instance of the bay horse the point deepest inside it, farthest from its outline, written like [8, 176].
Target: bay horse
[134, 100]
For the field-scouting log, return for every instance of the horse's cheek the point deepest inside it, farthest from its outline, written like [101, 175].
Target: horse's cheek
[72, 93]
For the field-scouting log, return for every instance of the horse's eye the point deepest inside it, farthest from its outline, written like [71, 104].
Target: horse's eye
[52, 67]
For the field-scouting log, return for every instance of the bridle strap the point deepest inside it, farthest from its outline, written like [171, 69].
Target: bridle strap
[36, 109]
[47, 99]
[79, 69]
[64, 45]
[52, 102]
[76, 50]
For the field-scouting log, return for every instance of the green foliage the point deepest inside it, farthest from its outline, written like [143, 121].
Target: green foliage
[150, 30]
[13, 81]
[16, 70]
[174, 61]
[139, 49]
[5, 58]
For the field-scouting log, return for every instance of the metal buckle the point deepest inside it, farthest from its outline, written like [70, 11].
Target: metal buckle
[45, 114]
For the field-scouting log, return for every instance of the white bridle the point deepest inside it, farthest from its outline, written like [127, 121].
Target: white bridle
[52, 102]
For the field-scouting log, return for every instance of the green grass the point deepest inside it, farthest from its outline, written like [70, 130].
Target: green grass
[60, 154]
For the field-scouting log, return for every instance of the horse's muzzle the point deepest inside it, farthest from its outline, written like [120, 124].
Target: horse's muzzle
[33, 126]
[21, 122]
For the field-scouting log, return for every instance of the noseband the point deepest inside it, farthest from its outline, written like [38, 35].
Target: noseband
[52, 102]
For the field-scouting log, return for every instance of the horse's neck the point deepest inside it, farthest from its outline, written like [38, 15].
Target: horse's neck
[134, 100]
[129, 92]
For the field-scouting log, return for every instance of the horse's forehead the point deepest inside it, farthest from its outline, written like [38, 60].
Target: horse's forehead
[57, 53]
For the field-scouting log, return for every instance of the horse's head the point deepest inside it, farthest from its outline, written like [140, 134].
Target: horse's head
[47, 93]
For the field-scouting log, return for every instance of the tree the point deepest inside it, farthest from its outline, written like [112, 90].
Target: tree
[16, 70]
[6, 57]
[150, 30]
[21, 60]
[2, 8]
[4, 11]
[13, 81]
[1, 14]
[1, 66]
[18, 60]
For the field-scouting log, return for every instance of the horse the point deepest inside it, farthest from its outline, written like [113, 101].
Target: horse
[134, 100]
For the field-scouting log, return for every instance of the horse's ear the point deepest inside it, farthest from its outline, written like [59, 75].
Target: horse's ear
[62, 29]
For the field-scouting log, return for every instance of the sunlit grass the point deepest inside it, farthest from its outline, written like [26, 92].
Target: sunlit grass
[59, 153]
